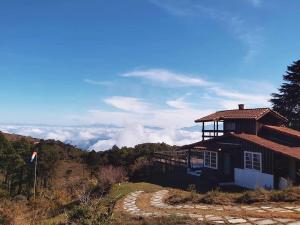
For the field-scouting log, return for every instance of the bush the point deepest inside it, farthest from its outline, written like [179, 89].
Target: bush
[3, 221]
[80, 215]
[6, 214]
[179, 199]
[216, 197]
[108, 176]
[4, 193]
[289, 195]
[249, 197]
[141, 168]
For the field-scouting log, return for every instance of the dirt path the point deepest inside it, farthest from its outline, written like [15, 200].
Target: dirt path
[144, 204]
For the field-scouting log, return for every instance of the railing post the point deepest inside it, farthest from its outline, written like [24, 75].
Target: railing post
[203, 131]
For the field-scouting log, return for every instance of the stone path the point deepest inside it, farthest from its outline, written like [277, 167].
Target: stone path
[156, 202]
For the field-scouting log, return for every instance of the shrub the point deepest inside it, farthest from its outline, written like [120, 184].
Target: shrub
[141, 168]
[108, 176]
[216, 197]
[288, 195]
[7, 213]
[192, 188]
[4, 193]
[248, 197]
[80, 215]
[3, 220]
[178, 199]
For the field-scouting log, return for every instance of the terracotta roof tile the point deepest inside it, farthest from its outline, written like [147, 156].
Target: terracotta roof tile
[286, 150]
[284, 130]
[256, 114]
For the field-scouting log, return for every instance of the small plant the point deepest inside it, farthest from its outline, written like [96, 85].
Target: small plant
[216, 197]
[2, 220]
[288, 195]
[80, 215]
[67, 174]
[249, 197]
[193, 190]
[179, 199]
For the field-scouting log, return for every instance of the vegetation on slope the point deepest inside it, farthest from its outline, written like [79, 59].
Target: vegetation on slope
[73, 186]
[218, 197]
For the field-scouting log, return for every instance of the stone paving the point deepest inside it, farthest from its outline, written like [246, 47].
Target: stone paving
[157, 202]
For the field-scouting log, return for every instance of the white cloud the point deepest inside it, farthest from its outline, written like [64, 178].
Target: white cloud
[179, 103]
[127, 103]
[156, 116]
[128, 124]
[137, 134]
[103, 138]
[172, 78]
[166, 76]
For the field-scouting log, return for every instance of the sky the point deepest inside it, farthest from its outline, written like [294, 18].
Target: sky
[97, 73]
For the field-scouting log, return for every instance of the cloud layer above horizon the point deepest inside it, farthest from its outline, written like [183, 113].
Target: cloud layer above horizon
[129, 120]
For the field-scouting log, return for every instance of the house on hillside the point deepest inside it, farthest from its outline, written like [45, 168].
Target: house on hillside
[248, 147]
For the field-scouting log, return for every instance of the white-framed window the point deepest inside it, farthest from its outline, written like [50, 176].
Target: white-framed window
[197, 160]
[252, 161]
[211, 159]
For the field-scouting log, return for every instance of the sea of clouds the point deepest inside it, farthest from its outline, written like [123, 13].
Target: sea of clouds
[101, 138]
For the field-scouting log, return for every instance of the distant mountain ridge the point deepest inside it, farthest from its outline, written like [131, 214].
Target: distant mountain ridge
[16, 137]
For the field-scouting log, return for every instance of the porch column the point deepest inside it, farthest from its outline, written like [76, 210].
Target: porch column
[292, 169]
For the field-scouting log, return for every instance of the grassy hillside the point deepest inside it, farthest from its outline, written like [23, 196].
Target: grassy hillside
[67, 179]
[78, 187]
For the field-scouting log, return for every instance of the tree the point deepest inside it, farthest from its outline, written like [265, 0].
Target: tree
[287, 101]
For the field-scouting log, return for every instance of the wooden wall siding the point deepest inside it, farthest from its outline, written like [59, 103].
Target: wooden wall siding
[297, 181]
[281, 168]
[280, 138]
[267, 156]
[243, 126]
[270, 119]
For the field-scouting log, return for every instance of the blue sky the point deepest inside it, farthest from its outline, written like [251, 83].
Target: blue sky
[138, 63]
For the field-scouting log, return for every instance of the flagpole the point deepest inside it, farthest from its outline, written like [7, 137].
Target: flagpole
[34, 186]
[35, 169]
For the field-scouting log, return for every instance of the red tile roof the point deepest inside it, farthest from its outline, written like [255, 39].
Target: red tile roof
[284, 130]
[286, 150]
[240, 114]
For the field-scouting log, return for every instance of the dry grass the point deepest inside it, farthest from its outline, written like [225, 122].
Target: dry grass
[143, 202]
[216, 197]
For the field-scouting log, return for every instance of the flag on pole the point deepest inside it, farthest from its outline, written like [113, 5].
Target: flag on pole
[34, 154]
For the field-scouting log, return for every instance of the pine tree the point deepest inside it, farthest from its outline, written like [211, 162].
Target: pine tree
[287, 101]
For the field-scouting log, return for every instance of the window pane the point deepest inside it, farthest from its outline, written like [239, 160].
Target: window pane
[248, 165]
[207, 158]
[252, 160]
[248, 155]
[256, 157]
[214, 158]
[256, 161]
[248, 160]
[196, 162]
[256, 166]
